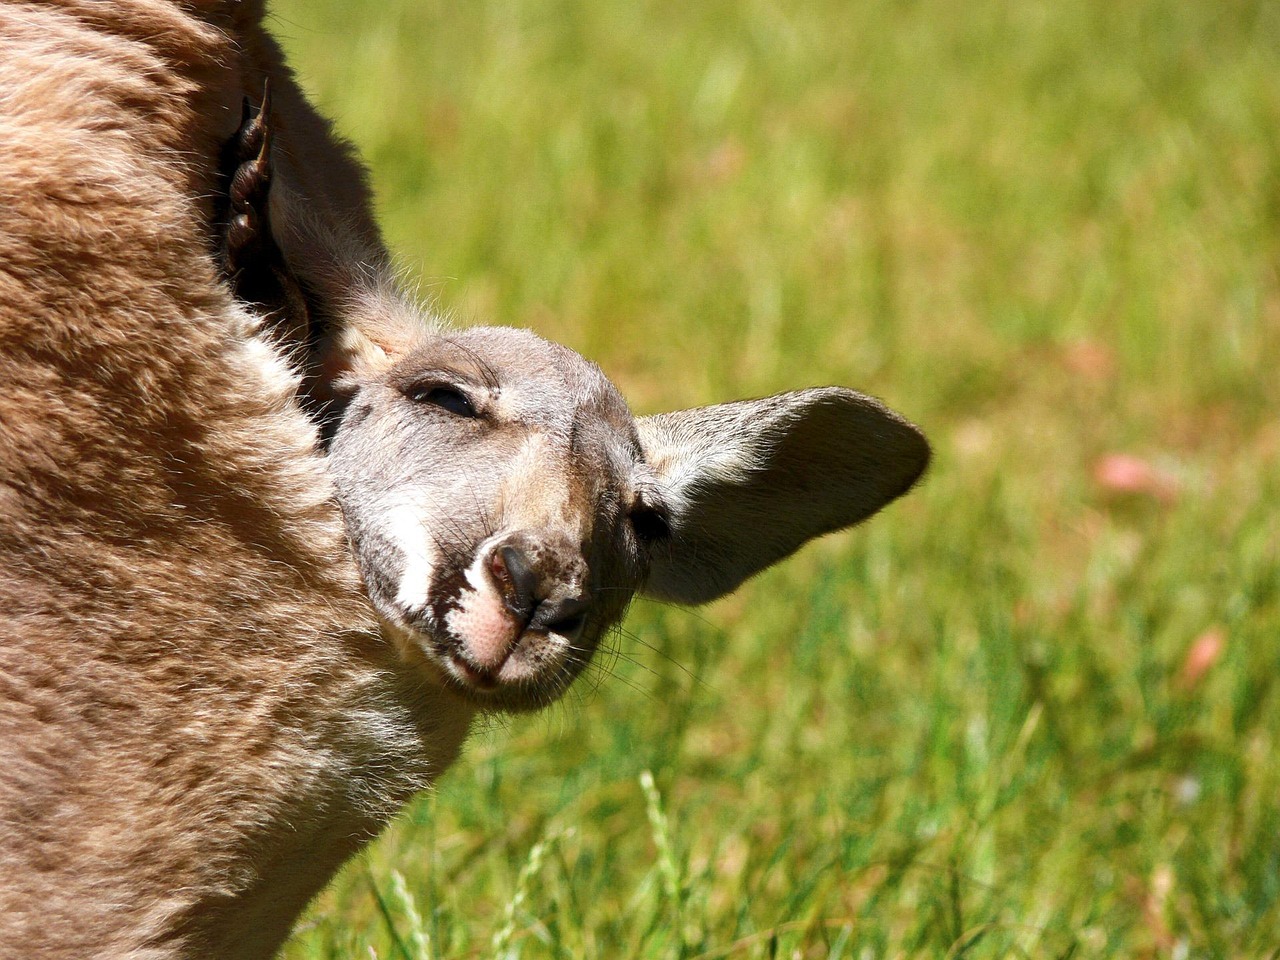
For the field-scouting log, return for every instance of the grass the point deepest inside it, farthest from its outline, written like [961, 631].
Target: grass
[1024, 712]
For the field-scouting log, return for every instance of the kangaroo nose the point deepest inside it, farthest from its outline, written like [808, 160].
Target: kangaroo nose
[541, 583]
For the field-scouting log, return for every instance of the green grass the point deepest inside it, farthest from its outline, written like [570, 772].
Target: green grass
[1047, 232]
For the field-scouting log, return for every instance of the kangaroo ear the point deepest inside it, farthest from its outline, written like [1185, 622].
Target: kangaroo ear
[363, 335]
[746, 484]
[345, 355]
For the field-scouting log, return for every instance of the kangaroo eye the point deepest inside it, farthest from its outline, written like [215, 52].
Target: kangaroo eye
[649, 524]
[446, 398]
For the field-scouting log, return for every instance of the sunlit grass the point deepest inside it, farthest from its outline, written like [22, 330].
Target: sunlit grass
[1047, 232]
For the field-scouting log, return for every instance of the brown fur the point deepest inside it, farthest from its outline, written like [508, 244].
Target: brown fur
[170, 553]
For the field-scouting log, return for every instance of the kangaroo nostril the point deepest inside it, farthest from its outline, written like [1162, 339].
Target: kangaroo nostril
[568, 625]
[517, 581]
[564, 616]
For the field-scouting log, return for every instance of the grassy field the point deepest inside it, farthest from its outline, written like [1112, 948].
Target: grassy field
[1031, 710]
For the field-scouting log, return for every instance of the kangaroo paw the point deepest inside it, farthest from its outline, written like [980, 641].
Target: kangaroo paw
[247, 158]
[252, 262]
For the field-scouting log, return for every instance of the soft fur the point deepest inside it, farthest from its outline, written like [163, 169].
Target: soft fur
[174, 580]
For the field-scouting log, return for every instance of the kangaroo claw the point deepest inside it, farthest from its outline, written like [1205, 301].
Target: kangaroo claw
[247, 234]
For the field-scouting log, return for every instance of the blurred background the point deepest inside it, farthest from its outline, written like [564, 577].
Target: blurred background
[1030, 710]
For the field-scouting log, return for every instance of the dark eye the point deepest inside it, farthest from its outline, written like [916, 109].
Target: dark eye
[649, 524]
[446, 398]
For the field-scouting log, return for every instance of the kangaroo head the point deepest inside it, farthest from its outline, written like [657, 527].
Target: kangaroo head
[504, 505]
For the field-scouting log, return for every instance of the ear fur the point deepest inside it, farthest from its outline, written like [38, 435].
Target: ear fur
[747, 483]
[361, 322]
[345, 356]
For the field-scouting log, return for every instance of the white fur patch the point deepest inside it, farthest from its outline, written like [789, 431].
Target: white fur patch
[279, 379]
[405, 526]
[687, 467]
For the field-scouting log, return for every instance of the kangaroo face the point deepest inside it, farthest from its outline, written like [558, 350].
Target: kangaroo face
[502, 503]
[504, 506]
[500, 508]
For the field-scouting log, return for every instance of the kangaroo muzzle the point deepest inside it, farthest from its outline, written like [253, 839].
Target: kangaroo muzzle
[518, 610]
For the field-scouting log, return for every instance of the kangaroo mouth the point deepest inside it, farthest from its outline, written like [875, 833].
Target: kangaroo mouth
[507, 622]
[474, 645]
[469, 674]
[521, 683]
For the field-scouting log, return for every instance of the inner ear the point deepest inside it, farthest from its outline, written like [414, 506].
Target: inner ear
[341, 361]
[748, 483]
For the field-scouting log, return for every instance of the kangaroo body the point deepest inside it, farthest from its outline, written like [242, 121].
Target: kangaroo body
[249, 607]
[176, 589]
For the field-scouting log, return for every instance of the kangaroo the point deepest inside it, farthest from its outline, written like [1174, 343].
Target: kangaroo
[502, 502]
[270, 536]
